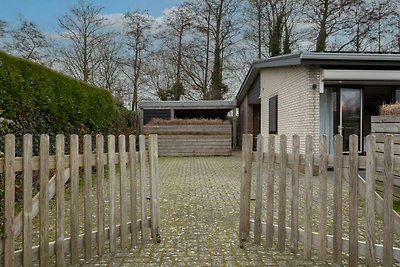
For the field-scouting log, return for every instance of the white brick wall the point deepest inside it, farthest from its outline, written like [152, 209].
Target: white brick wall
[298, 103]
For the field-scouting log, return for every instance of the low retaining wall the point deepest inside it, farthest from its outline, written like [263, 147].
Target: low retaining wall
[381, 125]
[192, 140]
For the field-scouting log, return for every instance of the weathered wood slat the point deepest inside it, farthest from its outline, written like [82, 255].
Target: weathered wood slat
[353, 201]
[294, 236]
[270, 191]
[383, 119]
[100, 193]
[154, 186]
[323, 195]
[337, 200]
[9, 200]
[87, 168]
[245, 189]
[282, 193]
[389, 127]
[44, 201]
[388, 204]
[60, 200]
[370, 202]
[142, 160]
[133, 188]
[308, 196]
[188, 129]
[112, 196]
[259, 189]
[123, 203]
[380, 147]
[380, 137]
[74, 213]
[27, 218]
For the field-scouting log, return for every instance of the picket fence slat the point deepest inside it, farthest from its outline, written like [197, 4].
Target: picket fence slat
[60, 200]
[133, 188]
[322, 194]
[308, 197]
[370, 201]
[27, 221]
[122, 190]
[112, 195]
[74, 213]
[154, 187]
[353, 201]
[9, 200]
[87, 168]
[282, 193]
[142, 160]
[337, 200]
[388, 203]
[270, 191]
[244, 221]
[259, 190]
[100, 193]
[294, 235]
[44, 201]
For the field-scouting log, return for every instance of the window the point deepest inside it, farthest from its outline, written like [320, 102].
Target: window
[397, 95]
[273, 115]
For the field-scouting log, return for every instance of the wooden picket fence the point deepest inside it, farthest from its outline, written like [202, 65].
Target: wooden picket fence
[120, 165]
[289, 235]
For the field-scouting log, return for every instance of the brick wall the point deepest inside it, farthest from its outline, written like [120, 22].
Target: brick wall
[298, 102]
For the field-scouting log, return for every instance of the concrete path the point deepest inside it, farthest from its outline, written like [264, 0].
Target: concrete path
[199, 222]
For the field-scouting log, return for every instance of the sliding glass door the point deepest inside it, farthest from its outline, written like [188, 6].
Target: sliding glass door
[350, 115]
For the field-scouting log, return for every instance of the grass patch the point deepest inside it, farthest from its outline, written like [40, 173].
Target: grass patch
[396, 205]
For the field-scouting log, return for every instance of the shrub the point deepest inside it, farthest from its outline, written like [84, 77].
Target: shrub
[390, 109]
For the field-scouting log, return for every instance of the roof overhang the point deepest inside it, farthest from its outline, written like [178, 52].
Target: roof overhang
[201, 104]
[325, 60]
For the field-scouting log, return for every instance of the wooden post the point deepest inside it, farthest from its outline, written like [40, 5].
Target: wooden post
[259, 189]
[234, 129]
[322, 194]
[353, 201]
[87, 167]
[245, 189]
[337, 200]
[308, 196]
[100, 193]
[27, 241]
[74, 213]
[123, 185]
[388, 203]
[154, 187]
[270, 191]
[282, 193]
[111, 178]
[370, 201]
[9, 200]
[142, 159]
[294, 233]
[44, 201]
[133, 187]
[60, 200]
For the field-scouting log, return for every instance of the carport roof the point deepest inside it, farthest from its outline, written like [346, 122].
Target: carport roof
[324, 59]
[189, 105]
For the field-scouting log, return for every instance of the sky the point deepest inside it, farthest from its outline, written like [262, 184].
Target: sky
[46, 12]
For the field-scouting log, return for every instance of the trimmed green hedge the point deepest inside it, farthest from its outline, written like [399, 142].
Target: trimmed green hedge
[37, 100]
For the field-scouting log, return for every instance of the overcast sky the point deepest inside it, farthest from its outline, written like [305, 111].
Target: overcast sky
[46, 12]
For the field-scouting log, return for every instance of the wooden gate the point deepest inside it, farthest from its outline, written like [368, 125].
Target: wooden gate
[114, 177]
[345, 172]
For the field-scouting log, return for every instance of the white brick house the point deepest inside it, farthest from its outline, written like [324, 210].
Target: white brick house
[317, 93]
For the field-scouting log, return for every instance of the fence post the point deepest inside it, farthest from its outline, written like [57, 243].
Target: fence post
[9, 199]
[27, 242]
[323, 193]
[133, 188]
[245, 188]
[294, 233]
[388, 203]
[259, 189]
[74, 166]
[142, 159]
[282, 193]
[122, 191]
[370, 200]
[308, 196]
[353, 201]
[337, 200]
[100, 193]
[270, 191]
[154, 187]
[44, 201]
[60, 201]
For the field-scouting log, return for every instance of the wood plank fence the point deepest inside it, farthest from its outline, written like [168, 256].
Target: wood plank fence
[290, 235]
[96, 166]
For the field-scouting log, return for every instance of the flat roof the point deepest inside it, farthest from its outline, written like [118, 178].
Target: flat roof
[201, 104]
[324, 59]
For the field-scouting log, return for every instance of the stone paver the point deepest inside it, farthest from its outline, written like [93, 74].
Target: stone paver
[199, 221]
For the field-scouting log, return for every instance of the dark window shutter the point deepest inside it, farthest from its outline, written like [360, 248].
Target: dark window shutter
[273, 115]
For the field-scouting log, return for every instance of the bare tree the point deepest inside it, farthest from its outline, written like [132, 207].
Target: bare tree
[3, 26]
[27, 40]
[137, 31]
[327, 18]
[255, 32]
[83, 29]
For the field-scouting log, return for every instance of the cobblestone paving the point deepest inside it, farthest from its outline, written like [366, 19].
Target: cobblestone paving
[199, 221]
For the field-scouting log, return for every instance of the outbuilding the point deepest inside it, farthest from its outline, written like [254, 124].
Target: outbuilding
[318, 93]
